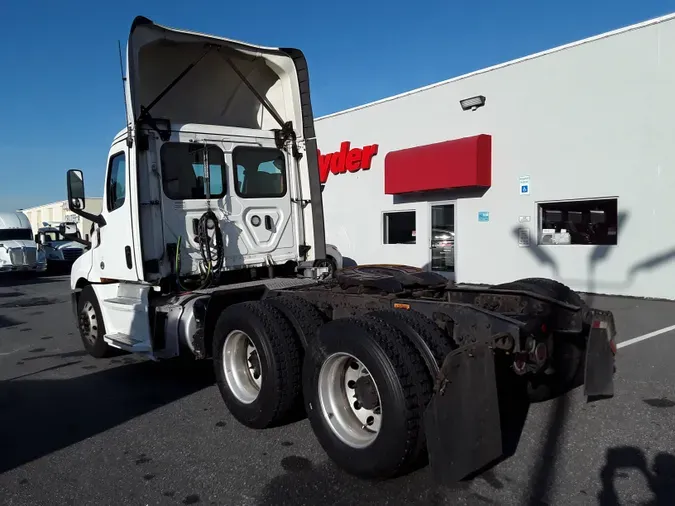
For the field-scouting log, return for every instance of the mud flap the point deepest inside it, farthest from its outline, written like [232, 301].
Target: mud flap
[462, 421]
[600, 353]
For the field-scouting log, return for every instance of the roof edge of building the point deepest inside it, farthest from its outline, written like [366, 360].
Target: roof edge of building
[618, 31]
[33, 208]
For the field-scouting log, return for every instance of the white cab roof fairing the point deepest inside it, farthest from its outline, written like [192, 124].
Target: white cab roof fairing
[211, 93]
[14, 220]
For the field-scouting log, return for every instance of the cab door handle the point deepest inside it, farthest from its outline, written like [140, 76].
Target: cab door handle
[268, 222]
[127, 254]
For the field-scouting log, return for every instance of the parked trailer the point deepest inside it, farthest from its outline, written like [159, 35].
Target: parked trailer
[211, 244]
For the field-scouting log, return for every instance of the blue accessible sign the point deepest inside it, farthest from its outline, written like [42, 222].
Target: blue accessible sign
[524, 183]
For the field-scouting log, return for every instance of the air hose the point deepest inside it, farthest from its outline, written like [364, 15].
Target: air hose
[211, 250]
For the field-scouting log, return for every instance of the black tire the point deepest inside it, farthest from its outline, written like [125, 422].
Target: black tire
[86, 321]
[280, 361]
[303, 315]
[329, 262]
[424, 334]
[569, 356]
[306, 320]
[548, 287]
[333, 266]
[569, 359]
[404, 386]
[388, 278]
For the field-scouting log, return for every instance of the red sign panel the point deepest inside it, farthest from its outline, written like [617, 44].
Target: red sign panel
[458, 163]
[346, 160]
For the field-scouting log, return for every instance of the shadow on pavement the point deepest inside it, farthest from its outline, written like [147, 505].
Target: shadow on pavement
[23, 302]
[11, 279]
[8, 321]
[544, 476]
[304, 482]
[660, 476]
[42, 416]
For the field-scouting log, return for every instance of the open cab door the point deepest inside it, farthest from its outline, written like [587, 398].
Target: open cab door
[181, 82]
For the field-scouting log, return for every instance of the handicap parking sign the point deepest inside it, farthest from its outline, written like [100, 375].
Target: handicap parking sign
[524, 183]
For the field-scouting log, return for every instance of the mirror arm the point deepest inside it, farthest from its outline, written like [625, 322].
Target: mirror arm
[76, 239]
[95, 218]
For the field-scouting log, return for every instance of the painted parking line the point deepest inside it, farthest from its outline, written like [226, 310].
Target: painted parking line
[4, 354]
[646, 336]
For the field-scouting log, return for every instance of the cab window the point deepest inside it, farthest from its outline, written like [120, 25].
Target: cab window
[16, 234]
[260, 172]
[116, 187]
[183, 175]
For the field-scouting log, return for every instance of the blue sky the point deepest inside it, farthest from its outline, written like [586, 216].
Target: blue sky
[61, 95]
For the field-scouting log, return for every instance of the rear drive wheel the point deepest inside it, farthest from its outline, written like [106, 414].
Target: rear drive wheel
[568, 354]
[257, 361]
[303, 315]
[548, 287]
[423, 333]
[365, 388]
[90, 324]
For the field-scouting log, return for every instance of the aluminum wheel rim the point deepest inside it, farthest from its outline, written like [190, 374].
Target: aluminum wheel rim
[88, 323]
[241, 365]
[354, 424]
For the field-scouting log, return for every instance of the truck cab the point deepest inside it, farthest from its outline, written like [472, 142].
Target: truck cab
[18, 250]
[213, 181]
[59, 250]
[219, 142]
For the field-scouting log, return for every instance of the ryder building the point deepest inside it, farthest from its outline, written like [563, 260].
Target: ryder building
[560, 164]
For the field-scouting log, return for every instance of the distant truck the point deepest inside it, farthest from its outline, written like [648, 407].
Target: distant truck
[18, 250]
[61, 252]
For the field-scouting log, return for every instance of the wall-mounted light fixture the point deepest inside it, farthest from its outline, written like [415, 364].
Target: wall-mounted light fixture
[472, 103]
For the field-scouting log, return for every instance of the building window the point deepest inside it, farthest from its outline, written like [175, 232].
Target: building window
[399, 227]
[183, 171]
[259, 172]
[117, 182]
[591, 222]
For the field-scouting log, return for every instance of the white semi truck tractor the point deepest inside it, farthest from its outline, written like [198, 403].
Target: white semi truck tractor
[18, 250]
[211, 244]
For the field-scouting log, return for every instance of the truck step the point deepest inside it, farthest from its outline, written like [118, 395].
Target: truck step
[127, 343]
[125, 303]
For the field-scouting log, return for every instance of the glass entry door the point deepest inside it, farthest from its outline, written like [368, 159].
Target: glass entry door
[443, 239]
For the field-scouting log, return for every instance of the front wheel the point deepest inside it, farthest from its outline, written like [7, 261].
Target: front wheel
[91, 324]
[365, 388]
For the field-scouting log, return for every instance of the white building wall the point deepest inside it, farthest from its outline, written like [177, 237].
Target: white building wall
[57, 212]
[595, 119]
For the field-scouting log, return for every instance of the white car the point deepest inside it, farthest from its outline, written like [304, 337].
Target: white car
[18, 250]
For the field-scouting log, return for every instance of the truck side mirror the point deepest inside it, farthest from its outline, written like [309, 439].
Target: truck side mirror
[75, 180]
[68, 229]
[37, 238]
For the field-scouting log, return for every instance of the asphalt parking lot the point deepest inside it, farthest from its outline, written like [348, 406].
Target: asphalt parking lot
[76, 430]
